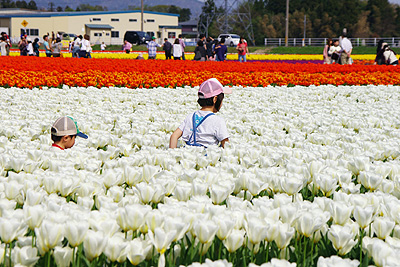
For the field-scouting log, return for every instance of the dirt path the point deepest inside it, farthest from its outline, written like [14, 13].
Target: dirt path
[266, 50]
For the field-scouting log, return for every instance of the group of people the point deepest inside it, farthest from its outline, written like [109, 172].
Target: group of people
[338, 51]
[201, 128]
[206, 49]
[81, 47]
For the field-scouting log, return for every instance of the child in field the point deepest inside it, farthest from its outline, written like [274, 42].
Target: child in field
[334, 51]
[64, 132]
[103, 46]
[203, 127]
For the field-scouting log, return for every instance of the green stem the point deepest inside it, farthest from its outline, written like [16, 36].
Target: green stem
[361, 238]
[219, 249]
[312, 246]
[9, 255]
[201, 253]
[73, 257]
[267, 252]
[304, 254]
[4, 256]
[47, 259]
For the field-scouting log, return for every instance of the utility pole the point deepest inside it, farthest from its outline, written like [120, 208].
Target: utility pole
[287, 23]
[51, 6]
[305, 26]
[141, 18]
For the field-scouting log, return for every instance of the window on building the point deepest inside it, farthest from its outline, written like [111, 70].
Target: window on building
[150, 20]
[114, 34]
[96, 19]
[132, 20]
[107, 34]
[171, 34]
[151, 34]
[114, 19]
[30, 32]
[98, 34]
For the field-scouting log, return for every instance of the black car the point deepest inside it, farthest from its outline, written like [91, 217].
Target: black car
[137, 37]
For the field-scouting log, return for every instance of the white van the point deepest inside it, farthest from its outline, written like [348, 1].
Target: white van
[230, 39]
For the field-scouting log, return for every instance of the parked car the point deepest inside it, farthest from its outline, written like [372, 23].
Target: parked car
[137, 37]
[230, 39]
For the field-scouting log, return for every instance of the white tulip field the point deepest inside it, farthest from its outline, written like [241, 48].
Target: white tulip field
[310, 177]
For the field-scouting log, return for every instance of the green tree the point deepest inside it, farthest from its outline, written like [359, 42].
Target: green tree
[7, 4]
[21, 4]
[59, 9]
[68, 9]
[32, 5]
[184, 14]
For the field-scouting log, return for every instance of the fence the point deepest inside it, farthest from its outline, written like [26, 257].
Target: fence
[392, 41]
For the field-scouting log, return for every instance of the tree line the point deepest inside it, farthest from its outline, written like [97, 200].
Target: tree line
[324, 18]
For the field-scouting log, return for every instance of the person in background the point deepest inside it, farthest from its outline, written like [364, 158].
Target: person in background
[3, 45]
[177, 50]
[200, 52]
[334, 51]
[8, 41]
[56, 47]
[182, 43]
[210, 48]
[46, 45]
[390, 56]
[167, 47]
[127, 47]
[242, 49]
[23, 45]
[36, 46]
[379, 59]
[85, 47]
[31, 53]
[347, 47]
[221, 50]
[103, 47]
[152, 48]
[75, 47]
[327, 56]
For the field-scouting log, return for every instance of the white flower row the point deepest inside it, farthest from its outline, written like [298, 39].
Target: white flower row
[336, 142]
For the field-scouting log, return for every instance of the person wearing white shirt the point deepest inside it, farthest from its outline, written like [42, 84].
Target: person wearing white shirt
[346, 51]
[390, 56]
[334, 52]
[177, 50]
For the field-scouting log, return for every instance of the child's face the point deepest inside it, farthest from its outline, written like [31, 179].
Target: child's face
[69, 141]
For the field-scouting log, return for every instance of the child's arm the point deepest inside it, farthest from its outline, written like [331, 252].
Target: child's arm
[173, 140]
[223, 142]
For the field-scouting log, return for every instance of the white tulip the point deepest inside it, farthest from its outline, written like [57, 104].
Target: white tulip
[94, 244]
[307, 224]
[256, 230]
[115, 249]
[234, 240]
[75, 232]
[205, 230]
[161, 239]
[219, 193]
[137, 251]
[340, 212]
[225, 226]
[48, 236]
[283, 236]
[26, 256]
[34, 216]
[383, 226]
[10, 229]
[342, 238]
[363, 215]
[335, 261]
[146, 192]
[369, 180]
[63, 256]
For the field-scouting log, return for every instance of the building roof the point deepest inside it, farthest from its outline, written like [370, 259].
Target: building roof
[189, 23]
[7, 14]
[99, 26]
[169, 27]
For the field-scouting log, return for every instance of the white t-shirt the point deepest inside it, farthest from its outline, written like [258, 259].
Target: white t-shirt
[177, 50]
[3, 50]
[210, 132]
[389, 56]
[103, 47]
[30, 49]
[85, 45]
[346, 45]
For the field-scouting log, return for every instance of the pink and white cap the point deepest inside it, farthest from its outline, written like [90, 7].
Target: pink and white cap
[212, 87]
[67, 126]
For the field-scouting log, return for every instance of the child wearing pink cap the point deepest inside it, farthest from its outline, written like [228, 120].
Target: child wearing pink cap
[203, 127]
